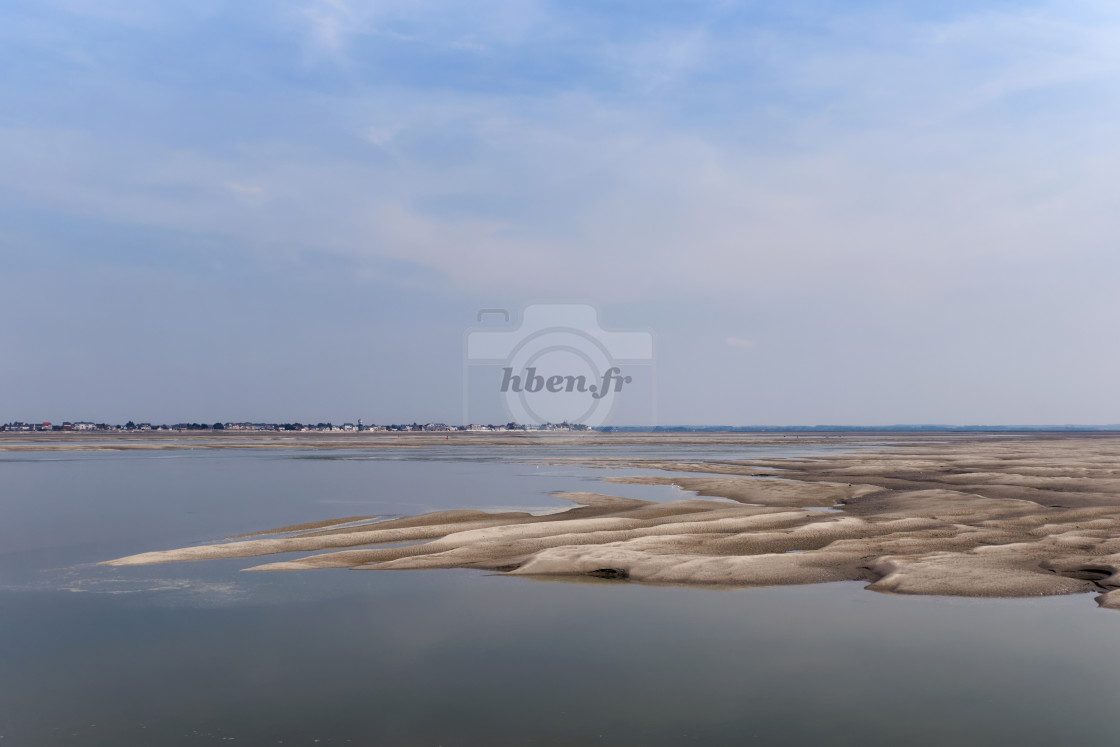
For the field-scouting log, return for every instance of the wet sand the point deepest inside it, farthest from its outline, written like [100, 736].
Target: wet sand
[944, 514]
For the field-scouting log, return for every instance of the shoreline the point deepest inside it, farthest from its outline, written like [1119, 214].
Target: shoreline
[160, 440]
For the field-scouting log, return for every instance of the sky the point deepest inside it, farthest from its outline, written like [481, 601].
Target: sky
[864, 212]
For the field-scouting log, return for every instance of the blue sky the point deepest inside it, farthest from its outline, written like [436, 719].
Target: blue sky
[874, 212]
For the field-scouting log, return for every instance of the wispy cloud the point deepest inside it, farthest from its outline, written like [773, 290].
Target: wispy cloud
[739, 342]
[666, 58]
[335, 26]
[331, 24]
[382, 136]
[245, 190]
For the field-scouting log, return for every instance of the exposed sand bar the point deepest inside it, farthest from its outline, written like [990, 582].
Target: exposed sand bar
[1004, 516]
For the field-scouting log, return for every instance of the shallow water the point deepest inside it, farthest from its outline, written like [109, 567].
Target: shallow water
[200, 653]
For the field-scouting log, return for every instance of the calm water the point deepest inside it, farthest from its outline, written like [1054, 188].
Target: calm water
[201, 653]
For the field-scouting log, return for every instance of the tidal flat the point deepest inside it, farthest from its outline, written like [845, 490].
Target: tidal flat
[987, 516]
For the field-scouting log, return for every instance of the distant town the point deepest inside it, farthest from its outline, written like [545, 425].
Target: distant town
[130, 426]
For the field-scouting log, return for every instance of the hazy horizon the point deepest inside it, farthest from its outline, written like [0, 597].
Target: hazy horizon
[762, 427]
